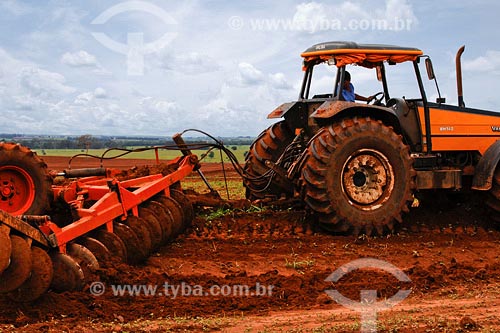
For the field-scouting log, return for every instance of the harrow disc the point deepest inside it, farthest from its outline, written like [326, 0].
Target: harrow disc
[138, 225]
[5, 248]
[153, 223]
[177, 214]
[187, 206]
[98, 249]
[68, 275]
[83, 257]
[154, 211]
[113, 243]
[20, 265]
[135, 251]
[39, 281]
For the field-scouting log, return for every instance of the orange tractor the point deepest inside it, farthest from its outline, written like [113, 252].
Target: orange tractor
[357, 166]
[52, 236]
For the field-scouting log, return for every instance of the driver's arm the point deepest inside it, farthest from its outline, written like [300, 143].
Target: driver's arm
[364, 99]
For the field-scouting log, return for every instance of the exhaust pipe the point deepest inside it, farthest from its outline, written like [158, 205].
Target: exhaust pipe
[458, 64]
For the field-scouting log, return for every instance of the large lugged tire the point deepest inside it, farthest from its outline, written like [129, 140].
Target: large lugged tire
[269, 145]
[25, 184]
[358, 176]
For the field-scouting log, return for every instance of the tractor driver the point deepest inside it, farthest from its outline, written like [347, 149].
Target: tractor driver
[348, 93]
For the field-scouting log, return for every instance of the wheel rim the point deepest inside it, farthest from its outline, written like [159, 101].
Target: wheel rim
[17, 190]
[367, 179]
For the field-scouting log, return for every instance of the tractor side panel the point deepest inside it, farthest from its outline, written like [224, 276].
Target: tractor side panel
[296, 114]
[459, 129]
[281, 110]
[409, 119]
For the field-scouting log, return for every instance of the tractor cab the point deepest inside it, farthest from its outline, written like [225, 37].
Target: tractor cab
[321, 97]
[342, 54]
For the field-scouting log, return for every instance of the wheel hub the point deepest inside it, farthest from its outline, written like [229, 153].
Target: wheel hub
[7, 190]
[367, 178]
[17, 190]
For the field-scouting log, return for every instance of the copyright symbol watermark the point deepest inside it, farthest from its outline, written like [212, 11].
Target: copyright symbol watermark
[136, 48]
[235, 22]
[97, 288]
[369, 306]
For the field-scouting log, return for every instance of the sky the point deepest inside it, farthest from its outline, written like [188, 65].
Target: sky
[155, 68]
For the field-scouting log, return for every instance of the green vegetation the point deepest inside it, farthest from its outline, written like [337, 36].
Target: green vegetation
[149, 154]
[234, 184]
[298, 264]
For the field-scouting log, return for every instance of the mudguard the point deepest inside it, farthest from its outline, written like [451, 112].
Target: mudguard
[485, 169]
[331, 108]
[281, 110]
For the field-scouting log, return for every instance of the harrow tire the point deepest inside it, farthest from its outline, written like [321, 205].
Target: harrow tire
[68, 275]
[358, 176]
[40, 278]
[20, 265]
[269, 145]
[155, 212]
[5, 248]
[26, 186]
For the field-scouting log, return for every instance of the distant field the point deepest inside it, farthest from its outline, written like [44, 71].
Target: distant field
[238, 151]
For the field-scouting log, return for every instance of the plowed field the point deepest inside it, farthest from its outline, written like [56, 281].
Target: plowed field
[265, 271]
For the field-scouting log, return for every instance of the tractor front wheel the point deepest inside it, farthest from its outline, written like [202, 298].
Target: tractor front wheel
[269, 145]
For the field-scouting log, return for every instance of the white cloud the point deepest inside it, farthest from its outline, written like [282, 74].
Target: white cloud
[399, 9]
[37, 81]
[157, 105]
[249, 75]
[490, 62]
[187, 63]
[100, 93]
[348, 17]
[89, 97]
[84, 60]
[279, 81]
[84, 98]
[79, 59]
[210, 77]
[241, 105]
[15, 7]
[308, 16]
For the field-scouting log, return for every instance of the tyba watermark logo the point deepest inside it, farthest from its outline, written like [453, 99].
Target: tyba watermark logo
[135, 48]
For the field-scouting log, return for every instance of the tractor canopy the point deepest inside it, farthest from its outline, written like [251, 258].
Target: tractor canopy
[366, 55]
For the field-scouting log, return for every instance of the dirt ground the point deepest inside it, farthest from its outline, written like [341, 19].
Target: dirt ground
[448, 248]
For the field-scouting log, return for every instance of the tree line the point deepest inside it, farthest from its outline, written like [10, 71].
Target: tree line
[88, 141]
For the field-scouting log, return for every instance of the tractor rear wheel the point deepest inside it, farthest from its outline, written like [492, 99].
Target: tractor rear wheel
[269, 145]
[25, 184]
[493, 199]
[358, 176]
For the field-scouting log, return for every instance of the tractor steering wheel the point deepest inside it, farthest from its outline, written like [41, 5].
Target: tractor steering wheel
[377, 99]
